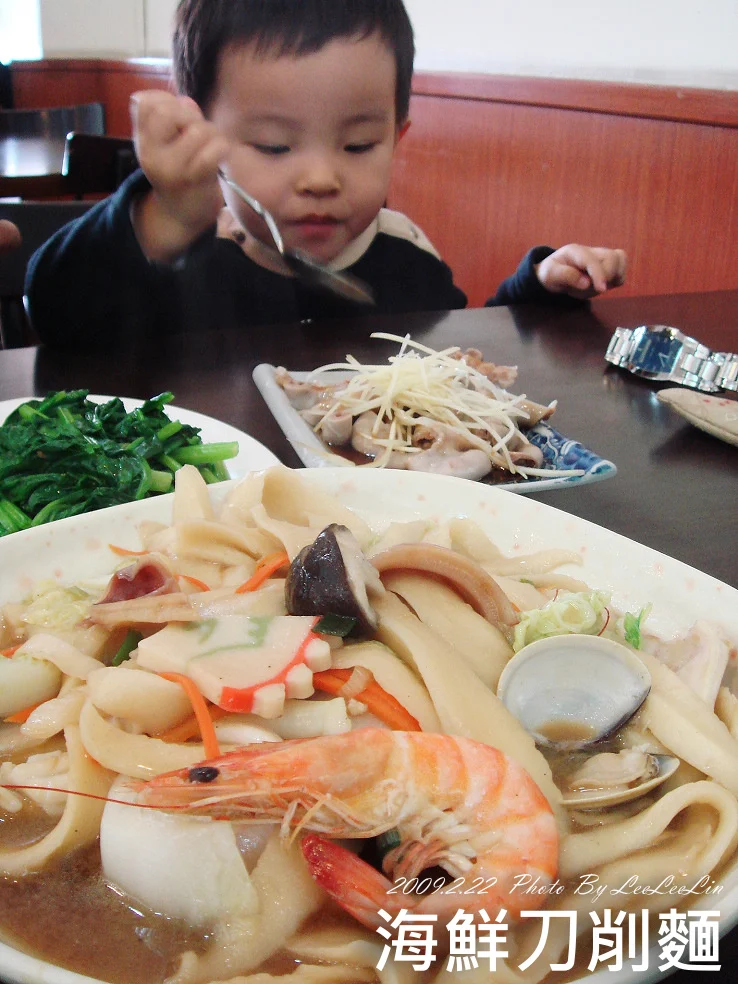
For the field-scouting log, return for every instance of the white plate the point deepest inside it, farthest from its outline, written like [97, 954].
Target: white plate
[559, 452]
[716, 415]
[76, 548]
[252, 456]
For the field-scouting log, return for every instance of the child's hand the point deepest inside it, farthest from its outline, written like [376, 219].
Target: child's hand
[179, 151]
[582, 271]
[10, 237]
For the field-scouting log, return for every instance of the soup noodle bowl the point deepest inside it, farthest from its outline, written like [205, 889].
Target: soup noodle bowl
[685, 831]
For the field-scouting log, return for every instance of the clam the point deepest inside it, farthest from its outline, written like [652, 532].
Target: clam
[570, 691]
[609, 778]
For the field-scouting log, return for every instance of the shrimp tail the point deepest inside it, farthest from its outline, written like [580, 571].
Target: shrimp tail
[358, 888]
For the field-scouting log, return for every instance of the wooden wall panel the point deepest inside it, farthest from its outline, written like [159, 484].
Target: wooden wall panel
[487, 180]
[37, 85]
[495, 164]
[718, 106]
[60, 82]
[117, 88]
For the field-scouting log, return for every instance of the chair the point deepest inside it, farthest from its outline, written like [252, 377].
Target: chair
[53, 123]
[95, 164]
[32, 147]
[6, 87]
[37, 222]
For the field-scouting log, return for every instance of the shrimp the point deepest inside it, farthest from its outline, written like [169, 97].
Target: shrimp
[454, 802]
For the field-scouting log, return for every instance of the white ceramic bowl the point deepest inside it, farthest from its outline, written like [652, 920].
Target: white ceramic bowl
[76, 548]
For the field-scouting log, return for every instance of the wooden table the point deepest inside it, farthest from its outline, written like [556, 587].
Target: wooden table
[676, 486]
[31, 167]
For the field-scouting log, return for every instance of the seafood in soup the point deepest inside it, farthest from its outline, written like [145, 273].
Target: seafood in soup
[245, 792]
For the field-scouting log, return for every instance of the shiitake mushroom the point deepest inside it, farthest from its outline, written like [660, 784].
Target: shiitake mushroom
[331, 576]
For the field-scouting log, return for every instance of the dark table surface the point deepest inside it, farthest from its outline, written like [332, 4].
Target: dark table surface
[31, 166]
[676, 486]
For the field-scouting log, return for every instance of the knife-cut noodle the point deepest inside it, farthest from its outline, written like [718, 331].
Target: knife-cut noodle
[109, 725]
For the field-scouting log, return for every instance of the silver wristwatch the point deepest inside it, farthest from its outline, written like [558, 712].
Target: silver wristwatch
[667, 355]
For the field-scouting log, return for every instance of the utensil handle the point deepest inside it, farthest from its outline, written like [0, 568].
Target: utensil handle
[257, 207]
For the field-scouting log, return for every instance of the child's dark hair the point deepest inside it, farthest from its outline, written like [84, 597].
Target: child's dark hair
[205, 28]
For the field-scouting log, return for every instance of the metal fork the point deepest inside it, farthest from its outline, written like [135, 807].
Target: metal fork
[305, 267]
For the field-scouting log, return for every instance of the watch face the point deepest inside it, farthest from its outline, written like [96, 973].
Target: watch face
[655, 353]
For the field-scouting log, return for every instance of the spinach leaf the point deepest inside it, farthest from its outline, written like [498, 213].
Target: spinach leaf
[64, 454]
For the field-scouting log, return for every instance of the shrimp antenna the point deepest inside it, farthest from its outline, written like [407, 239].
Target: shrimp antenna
[79, 792]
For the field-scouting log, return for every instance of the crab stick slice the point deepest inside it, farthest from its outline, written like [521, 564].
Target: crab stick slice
[249, 664]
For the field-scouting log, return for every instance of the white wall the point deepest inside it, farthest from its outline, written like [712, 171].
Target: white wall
[688, 42]
[20, 30]
[111, 28]
[692, 42]
[159, 18]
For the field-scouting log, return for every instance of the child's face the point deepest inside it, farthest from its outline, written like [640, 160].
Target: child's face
[314, 138]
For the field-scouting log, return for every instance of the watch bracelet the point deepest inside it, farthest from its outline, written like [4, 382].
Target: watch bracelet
[699, 367]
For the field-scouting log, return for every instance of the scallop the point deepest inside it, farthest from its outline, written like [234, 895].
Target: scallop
[570, 691]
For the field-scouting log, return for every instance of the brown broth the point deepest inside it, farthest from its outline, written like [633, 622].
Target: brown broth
[565, 730]
[24, 827]
[496, 477]
[68, 916]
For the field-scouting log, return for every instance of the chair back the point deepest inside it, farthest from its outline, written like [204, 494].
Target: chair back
[37, 222]
[55, 122]
[95, 164]
[6, 87]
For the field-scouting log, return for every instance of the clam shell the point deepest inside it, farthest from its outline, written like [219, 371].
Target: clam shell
[595, 799]
[570, 691]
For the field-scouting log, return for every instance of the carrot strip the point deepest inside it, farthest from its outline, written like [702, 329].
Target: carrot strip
[195, 581]
[204, 721]
[125, 552]
[380, 703]
[20, 716]
[190, 728]
[11, 651]
[264, 569]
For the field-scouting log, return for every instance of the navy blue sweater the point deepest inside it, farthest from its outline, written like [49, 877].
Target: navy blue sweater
[91, 285]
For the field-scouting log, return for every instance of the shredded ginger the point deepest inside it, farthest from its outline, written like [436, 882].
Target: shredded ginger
[421, 386]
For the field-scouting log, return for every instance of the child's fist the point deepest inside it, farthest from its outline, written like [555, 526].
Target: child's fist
[179, 151]
[582, 271]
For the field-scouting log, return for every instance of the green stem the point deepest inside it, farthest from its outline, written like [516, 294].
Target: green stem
[220, 471]
[13, 519]
[206, 454]
[130, 642]
[30, 413]
[169, 430]
[145, 483]
[161, 481]
[168, 462]
[65, 414]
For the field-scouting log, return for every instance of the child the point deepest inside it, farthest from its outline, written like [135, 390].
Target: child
[303, 103]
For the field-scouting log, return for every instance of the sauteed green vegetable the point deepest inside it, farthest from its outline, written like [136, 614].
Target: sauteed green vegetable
[66, 455]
